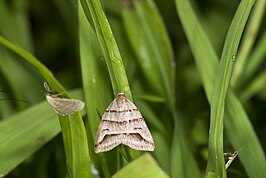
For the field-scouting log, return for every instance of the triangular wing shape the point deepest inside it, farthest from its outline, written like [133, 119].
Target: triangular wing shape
[122, 120]
[137, 142]
[108, 143]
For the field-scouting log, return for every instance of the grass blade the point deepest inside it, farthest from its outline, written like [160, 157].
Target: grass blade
[111, 53]
[159, 42]
[94, 76]
[255, 86]
[143, 167]
[110, 49]
[151, 44]
[24, 133]
[18, 82]
[255, 60]
[216, 157]
[207, 62]
[76, 154]
[248, 41]
[76, 146]
[239, 130]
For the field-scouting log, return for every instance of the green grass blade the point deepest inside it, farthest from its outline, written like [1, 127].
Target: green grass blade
[143, 167]
[182, 160]
[54, 84]
[151, 44]
[216, 157]
[137, 39]
[129, 59]
[111, 53]
[11, 20]
[159, 42]
[248, 41]
[76, 146]
[24, 133]
[76, 154]
[142, 46]
[94, 74]
[87, 13]
[255, 60]
[152, 118]
[254, 87]
[161, 135]
[110, 49]
[207, 62]
[18, 82]
[204, 54]
[95, 77]
[195, 34]
[243, 138]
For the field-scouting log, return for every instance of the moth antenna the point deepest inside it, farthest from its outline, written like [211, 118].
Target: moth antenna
[46, 87]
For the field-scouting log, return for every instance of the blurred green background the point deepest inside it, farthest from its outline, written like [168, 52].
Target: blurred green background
[50, 31]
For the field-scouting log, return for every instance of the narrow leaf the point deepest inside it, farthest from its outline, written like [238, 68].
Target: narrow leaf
[143, 167]
[235, 120]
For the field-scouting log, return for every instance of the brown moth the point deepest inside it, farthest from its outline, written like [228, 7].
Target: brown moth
[62, 106]
[122, 123]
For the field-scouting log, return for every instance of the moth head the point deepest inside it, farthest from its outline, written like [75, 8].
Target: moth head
[121, 95]
[120, 99]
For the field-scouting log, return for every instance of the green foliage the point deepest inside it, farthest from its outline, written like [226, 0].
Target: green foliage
[141, 48]
[147, 167]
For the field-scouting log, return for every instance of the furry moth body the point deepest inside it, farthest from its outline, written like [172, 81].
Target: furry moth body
[122, 123]
[62, 106]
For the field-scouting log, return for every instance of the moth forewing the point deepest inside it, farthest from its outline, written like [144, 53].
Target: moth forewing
[122, 123]
[63, 106]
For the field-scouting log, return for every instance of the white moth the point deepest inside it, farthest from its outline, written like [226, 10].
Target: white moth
[62, 106]
[231, 157]
[122, 123]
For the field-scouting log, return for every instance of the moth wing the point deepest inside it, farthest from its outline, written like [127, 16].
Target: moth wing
[124, 112]
[101, 132]
[129, 105]
[137, 121]
[139, 126]
[136, 142]
[64, 106]
[123, 123]
[108, 143]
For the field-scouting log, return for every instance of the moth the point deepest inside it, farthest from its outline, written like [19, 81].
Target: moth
[122, 123]
[62, 106]
[230, 158]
